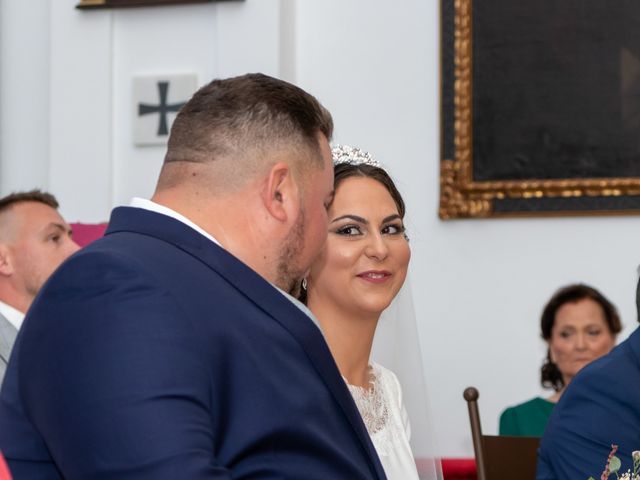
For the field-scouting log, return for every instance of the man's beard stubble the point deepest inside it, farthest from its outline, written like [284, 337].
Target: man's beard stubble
[290, 273]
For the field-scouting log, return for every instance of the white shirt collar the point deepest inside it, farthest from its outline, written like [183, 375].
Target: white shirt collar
[138, 202]
[301, 306]
[14, 316]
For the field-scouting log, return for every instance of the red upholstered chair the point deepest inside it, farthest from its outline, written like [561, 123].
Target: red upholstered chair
[459, 469]
[85, 233]
[5, 474]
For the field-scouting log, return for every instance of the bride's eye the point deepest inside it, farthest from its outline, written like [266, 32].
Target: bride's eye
[349, 230]
[393, 229]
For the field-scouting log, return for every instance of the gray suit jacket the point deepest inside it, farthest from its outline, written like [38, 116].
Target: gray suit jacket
[7, 338]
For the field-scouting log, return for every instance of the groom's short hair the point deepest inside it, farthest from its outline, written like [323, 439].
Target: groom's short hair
[234, 124]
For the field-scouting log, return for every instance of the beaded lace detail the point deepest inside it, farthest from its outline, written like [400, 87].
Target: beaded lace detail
[375, 407]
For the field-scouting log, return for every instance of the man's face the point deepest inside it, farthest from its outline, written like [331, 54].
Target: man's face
[38, 240]
[308, 234]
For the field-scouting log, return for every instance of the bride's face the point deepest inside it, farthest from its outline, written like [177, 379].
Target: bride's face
[365, 259]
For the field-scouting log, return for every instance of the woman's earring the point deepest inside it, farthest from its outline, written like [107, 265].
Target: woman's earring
[304, 283]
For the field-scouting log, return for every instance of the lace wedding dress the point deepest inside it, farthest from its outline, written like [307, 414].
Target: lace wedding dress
[387, 422]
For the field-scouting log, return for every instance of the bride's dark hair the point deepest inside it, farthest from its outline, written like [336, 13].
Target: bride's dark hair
[343, 171]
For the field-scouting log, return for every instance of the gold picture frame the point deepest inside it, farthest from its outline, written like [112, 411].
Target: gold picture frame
[603, 179]
[100, 4]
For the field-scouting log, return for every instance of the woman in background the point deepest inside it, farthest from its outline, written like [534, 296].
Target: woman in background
[579, 325]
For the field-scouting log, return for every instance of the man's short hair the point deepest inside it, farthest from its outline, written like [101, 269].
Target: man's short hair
[241, 118]
[35, 195]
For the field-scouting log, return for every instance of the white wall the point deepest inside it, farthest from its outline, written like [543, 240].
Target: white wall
[24, 84]
[479, 285]
[66, 106]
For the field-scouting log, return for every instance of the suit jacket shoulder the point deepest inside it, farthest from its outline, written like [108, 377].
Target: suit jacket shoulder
[599, 408]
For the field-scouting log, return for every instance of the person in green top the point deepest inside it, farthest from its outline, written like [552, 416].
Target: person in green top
[579, 325]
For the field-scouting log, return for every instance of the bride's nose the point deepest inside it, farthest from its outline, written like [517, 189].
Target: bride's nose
[376, 247]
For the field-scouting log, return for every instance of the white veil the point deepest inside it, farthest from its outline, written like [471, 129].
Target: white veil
[396, 346]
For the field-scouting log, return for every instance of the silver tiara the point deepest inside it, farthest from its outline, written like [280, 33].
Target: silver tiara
[352, 156]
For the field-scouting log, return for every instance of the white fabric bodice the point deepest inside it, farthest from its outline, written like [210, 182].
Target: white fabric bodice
[387, 422]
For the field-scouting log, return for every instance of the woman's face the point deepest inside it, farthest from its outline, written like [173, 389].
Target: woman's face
[364, 261]
[579, 335]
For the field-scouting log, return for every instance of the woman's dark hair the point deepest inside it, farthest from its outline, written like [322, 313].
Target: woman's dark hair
[342, 171]
[550, 375]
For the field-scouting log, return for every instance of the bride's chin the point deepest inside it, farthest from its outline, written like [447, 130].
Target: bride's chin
[375, 306]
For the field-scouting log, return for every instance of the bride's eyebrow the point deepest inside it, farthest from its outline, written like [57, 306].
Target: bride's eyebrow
[364, 221]
[395, 216]
[355, 218]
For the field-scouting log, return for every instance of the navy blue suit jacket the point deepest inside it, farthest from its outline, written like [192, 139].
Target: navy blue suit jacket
[153, 353]
[600, 407]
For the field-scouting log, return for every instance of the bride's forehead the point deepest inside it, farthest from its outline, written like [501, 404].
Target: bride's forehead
[363, 194]
[359, 189]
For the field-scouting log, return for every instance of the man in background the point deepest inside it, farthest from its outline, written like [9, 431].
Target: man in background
[34, 241]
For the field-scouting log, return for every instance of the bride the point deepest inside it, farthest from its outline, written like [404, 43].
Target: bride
[358, 274]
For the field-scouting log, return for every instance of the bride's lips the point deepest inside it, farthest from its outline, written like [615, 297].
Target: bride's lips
[375, 276]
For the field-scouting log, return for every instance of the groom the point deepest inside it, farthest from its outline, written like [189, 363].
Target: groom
[171, 348]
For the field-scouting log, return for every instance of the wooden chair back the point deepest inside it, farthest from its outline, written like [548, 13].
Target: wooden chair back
[500, 457]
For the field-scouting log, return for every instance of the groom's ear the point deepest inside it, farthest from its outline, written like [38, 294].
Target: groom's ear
[6, 261]
[281, 195]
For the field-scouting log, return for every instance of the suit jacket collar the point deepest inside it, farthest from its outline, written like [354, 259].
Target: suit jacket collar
[8, 335]
[634, 343]
[260, 292]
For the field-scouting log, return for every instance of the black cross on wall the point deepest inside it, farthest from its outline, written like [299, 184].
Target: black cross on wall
[163, 108]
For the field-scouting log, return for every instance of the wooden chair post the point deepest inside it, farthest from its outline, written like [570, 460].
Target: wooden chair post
[471, 396]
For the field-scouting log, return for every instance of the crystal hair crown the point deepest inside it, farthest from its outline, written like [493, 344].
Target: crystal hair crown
[352, 156]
